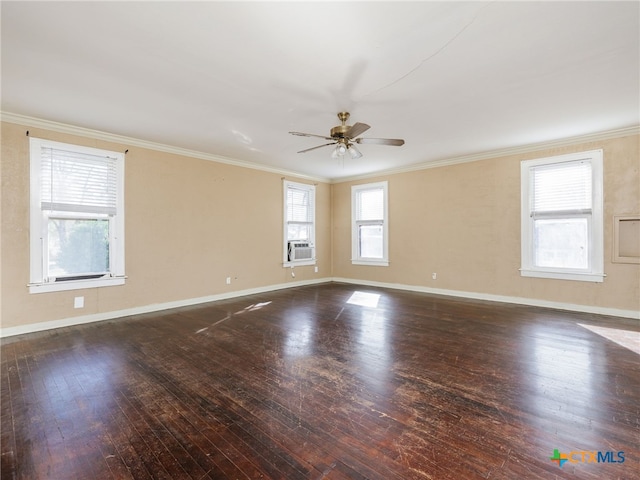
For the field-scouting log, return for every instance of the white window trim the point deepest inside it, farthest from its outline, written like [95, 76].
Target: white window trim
[356, 259]
[596, 258]
[285, 260]
[37, 283]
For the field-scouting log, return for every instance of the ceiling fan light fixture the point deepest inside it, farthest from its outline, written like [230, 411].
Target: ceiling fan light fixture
[339, 151]
[353, 151]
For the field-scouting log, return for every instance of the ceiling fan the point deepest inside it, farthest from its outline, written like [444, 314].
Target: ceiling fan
[344, 137]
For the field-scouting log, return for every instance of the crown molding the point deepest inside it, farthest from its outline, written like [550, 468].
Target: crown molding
[130, 141]
[504, 152]
[111, 137]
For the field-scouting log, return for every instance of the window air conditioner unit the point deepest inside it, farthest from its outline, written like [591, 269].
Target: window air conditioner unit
[299, 250]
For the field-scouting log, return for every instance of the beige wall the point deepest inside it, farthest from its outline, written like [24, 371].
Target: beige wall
[189, 224]
[463, 222]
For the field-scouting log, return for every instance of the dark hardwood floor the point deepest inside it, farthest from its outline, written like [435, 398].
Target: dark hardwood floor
[331, 381]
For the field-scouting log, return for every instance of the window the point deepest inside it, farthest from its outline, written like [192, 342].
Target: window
[562, 217]
[369, 235]
[299, 224]
[77, 217]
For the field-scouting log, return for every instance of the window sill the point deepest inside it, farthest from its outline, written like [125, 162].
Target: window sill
[75, 285]
[580, 277]
[373, 263]
[300, 263]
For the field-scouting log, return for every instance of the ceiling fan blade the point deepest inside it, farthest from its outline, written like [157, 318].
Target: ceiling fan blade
[396, 142]
[356, 129]
[319, 146]
[300, 134]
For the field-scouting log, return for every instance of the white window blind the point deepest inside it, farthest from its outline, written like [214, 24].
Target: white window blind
[78, 182]
[370, 205]
[562, 187]
[299, 205]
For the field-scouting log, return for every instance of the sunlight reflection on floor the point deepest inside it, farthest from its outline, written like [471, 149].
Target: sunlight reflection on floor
[364, 299]
[624, 338]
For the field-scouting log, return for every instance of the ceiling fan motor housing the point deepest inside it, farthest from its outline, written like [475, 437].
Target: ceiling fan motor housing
[339, 131]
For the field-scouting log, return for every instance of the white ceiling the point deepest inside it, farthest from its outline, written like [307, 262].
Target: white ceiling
[232, 78]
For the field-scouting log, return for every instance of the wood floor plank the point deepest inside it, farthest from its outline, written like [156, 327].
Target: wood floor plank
[306, 383]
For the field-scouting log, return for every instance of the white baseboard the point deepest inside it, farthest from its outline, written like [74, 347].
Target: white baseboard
[156, 307]
[67, 322]
[614, 312]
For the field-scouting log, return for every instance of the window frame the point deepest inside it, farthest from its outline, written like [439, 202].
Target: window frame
[311, 189]
[356, 257]
[595, 220]
[39, 282]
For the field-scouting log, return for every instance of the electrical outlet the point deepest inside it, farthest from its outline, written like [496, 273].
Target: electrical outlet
[228, 280]
[315, 269]
[434, 275]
